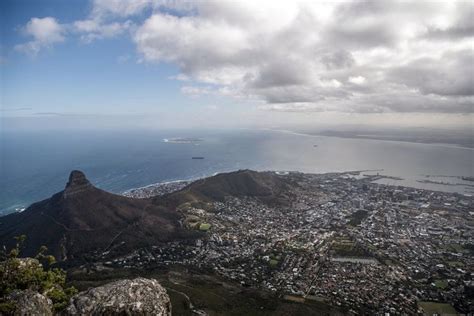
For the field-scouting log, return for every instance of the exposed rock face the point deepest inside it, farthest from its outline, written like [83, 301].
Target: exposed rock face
[31, 303]
[77, 183]
[125, 297]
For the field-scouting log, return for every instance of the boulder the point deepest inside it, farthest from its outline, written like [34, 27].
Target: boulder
[31, 303]
[139, 296]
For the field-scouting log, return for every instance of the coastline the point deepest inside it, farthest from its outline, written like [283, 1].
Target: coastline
[377, 178]
[438, 144]
[174, 185]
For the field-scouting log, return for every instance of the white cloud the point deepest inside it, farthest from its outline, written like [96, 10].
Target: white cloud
[298, 55]
[303, 55]
[196, 91]
[45, 32]
[94, 29]
[123, 8]
[357, 80]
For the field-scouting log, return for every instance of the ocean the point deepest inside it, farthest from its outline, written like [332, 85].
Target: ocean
[34, 165]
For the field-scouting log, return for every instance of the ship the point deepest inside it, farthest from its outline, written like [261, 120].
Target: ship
[197, 157]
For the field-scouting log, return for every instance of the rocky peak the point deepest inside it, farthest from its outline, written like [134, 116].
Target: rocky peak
[77, 183]
[139, 296]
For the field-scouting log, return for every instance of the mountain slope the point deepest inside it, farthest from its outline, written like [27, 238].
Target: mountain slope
[266, 186]
[82, 219]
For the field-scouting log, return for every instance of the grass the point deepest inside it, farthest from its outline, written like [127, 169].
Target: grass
[432, 308]
[357, 217]
[441, 284]
[389, 262]
[455, 248]
[456, 264]
[273, 263]
[204, 227]
[347, 248]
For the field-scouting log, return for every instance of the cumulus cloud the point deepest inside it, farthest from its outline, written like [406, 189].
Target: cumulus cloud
[44, 32]
[462, 25]
[302, 55]
[450, 75]
[357, 80]
[361, 56]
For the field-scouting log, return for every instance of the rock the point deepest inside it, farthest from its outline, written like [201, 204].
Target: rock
[31, 303]
[125, 297]
[77, 183]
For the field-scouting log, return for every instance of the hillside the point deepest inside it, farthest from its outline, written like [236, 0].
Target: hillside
[266, 186]
[82, 219]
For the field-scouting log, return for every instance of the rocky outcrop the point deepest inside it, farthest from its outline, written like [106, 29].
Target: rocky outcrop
[77, 183]
[31, 303]
[125, 297]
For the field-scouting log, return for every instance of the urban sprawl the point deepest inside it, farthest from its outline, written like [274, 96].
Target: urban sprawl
[341, 239]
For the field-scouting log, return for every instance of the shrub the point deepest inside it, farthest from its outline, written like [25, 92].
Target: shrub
[36, 274]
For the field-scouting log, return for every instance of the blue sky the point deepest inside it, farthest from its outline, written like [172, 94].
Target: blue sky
[87, 84]
[73, 77]
[236, 63]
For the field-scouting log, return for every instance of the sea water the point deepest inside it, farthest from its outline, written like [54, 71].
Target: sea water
[34, 165]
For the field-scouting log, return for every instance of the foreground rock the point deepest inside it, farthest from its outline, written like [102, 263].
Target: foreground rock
[31, 303]
[125, 297]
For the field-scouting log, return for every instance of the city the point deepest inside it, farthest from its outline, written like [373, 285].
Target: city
[340, 239]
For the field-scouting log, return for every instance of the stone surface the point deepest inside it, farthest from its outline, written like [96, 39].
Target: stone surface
[77, 183]
[139, 296]
[31, 303]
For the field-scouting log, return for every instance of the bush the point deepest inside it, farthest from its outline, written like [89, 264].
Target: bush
[36, 274]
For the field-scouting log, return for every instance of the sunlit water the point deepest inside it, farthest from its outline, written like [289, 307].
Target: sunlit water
[36, 165]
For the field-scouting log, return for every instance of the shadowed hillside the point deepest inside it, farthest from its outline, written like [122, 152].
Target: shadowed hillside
[83, 218]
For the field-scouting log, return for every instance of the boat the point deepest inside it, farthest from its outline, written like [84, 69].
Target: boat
[197, 157]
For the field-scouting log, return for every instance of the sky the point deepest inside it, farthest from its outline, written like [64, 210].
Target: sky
[163, 64]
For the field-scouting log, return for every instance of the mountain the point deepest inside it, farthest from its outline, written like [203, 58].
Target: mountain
[266, 186]
[82, 219]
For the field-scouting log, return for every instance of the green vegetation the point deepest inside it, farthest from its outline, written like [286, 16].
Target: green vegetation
[36, 274]
[357, 217]
[456, 264]
[344, 247]
[204, 226]
[389, 262]
[441, 284]
[432, 308]
[203, 205]
[455, 248]
[469, 248]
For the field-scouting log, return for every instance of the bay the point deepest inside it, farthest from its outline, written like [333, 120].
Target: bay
[34, 165]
